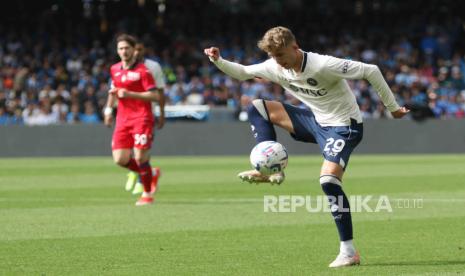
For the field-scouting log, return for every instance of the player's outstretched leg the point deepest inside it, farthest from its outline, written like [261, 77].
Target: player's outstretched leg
[263, 130]
[340, 210]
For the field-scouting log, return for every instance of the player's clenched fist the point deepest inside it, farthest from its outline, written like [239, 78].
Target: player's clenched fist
[119, 92]
[122, 93]
[113, 90]
[213, 53]
[400, 112]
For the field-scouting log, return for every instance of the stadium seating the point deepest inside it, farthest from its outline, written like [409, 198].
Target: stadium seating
[58, 73]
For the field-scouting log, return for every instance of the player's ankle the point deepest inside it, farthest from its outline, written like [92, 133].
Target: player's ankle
[347, 248]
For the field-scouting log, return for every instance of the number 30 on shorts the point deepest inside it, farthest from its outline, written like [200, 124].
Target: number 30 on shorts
[140, 139]
[334, 145]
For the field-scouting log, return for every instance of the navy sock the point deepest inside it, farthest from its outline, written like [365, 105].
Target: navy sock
[262, 128]
[340, 209]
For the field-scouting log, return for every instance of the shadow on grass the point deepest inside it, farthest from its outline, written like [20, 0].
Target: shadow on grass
[417, 263]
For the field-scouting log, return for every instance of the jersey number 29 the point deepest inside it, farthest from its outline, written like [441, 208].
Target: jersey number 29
[334, 145]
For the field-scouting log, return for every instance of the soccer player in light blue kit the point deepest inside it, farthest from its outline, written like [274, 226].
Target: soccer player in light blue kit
[333, 122]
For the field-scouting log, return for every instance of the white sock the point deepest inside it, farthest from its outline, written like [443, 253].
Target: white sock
[347, 248]
[145, 194]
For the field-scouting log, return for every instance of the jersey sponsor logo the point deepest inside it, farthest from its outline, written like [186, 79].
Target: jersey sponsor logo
[345, 67]
[133, 76]
[311, 92]
[312, 82]
[130, 76]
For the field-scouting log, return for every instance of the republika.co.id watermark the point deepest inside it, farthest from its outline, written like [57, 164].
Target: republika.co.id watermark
[357, 203]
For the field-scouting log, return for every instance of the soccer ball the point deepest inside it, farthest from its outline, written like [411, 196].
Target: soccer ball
[269, 157]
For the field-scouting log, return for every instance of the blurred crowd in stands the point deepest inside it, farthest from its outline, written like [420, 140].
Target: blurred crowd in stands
[55, 68]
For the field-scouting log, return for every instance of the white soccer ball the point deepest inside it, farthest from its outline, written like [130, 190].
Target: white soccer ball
[269, 157]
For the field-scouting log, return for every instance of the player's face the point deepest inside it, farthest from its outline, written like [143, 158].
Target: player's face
[139, 51]
[286, 57]
[125, 51]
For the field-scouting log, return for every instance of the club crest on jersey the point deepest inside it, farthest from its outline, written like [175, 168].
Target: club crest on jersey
[312, 82]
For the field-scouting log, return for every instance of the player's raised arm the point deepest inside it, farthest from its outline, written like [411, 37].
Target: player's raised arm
[236, 70]
[349, 69]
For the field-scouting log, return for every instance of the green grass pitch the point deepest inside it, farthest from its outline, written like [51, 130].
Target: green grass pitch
[71, 216]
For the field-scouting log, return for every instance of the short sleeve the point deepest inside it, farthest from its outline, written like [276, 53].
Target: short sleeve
[148, 83]
[158, 75]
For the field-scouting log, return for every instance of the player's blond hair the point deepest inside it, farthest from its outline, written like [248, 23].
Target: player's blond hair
[276, 38]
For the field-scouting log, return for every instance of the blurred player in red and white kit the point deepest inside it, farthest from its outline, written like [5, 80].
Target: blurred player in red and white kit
[133, 183]
[135, 89]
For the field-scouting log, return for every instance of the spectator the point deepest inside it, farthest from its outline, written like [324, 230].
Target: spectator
[61, 108]
[45, 115]
[90, 115]
[17, 118]
[4, 117]
[47, 61]
[73, 117]
[30, 113]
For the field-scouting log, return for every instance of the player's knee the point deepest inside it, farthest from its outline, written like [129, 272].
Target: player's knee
[326, 180]
[121, 161]
[333, 168]
[140, 159]
[258, 108]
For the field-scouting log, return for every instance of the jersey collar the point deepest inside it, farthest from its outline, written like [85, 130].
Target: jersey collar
[130, 67]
